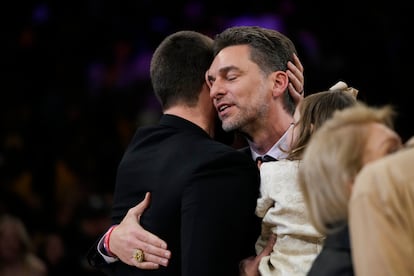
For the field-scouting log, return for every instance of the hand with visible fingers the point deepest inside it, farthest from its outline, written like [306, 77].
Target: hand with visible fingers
[296, 79]
[250, 265]
[135, 246]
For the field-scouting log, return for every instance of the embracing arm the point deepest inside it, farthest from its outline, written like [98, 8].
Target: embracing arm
[126, 237]
[129, 235]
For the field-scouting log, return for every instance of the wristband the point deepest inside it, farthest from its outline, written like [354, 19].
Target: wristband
[106, 241]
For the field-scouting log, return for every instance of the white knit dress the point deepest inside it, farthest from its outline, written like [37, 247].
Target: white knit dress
[282, 207]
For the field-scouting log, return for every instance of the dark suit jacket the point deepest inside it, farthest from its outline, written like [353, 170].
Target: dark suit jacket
[335, 258]
[203, 198]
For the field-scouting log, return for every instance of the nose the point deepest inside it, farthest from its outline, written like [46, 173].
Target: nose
[217, 90]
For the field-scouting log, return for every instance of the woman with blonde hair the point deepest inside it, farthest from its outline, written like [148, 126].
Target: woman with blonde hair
[334, 156]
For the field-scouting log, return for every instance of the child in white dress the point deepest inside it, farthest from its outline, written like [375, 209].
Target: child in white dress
[281, 204]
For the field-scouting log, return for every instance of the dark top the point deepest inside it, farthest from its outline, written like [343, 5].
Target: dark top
[335, 258]
[203, 198]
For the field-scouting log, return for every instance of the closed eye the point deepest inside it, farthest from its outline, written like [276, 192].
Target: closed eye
[231, 77]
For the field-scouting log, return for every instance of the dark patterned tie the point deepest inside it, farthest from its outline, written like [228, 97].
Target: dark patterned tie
[265, 158]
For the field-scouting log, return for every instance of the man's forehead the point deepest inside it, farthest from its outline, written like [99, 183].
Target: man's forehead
[234, 51]
[229, 59]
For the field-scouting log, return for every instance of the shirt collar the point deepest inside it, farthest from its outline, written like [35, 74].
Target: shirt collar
[276, 151]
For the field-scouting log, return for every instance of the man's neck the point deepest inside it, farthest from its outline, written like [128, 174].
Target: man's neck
[264, 139]
[193, 115]
[278, 149]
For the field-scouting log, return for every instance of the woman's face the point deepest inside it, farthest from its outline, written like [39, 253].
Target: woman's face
[381, 141]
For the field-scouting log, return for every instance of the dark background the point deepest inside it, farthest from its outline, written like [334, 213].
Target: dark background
[75, 86]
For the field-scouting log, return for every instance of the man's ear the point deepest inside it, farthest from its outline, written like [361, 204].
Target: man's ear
[207, 79]
[280, 81]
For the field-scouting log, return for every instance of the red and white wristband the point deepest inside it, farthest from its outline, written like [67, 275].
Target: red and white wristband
[107, 237]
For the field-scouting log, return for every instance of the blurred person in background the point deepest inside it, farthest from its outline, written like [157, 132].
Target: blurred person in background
[382, 216]
[17, 254]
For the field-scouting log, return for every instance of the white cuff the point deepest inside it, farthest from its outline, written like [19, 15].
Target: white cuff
[101, 250]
